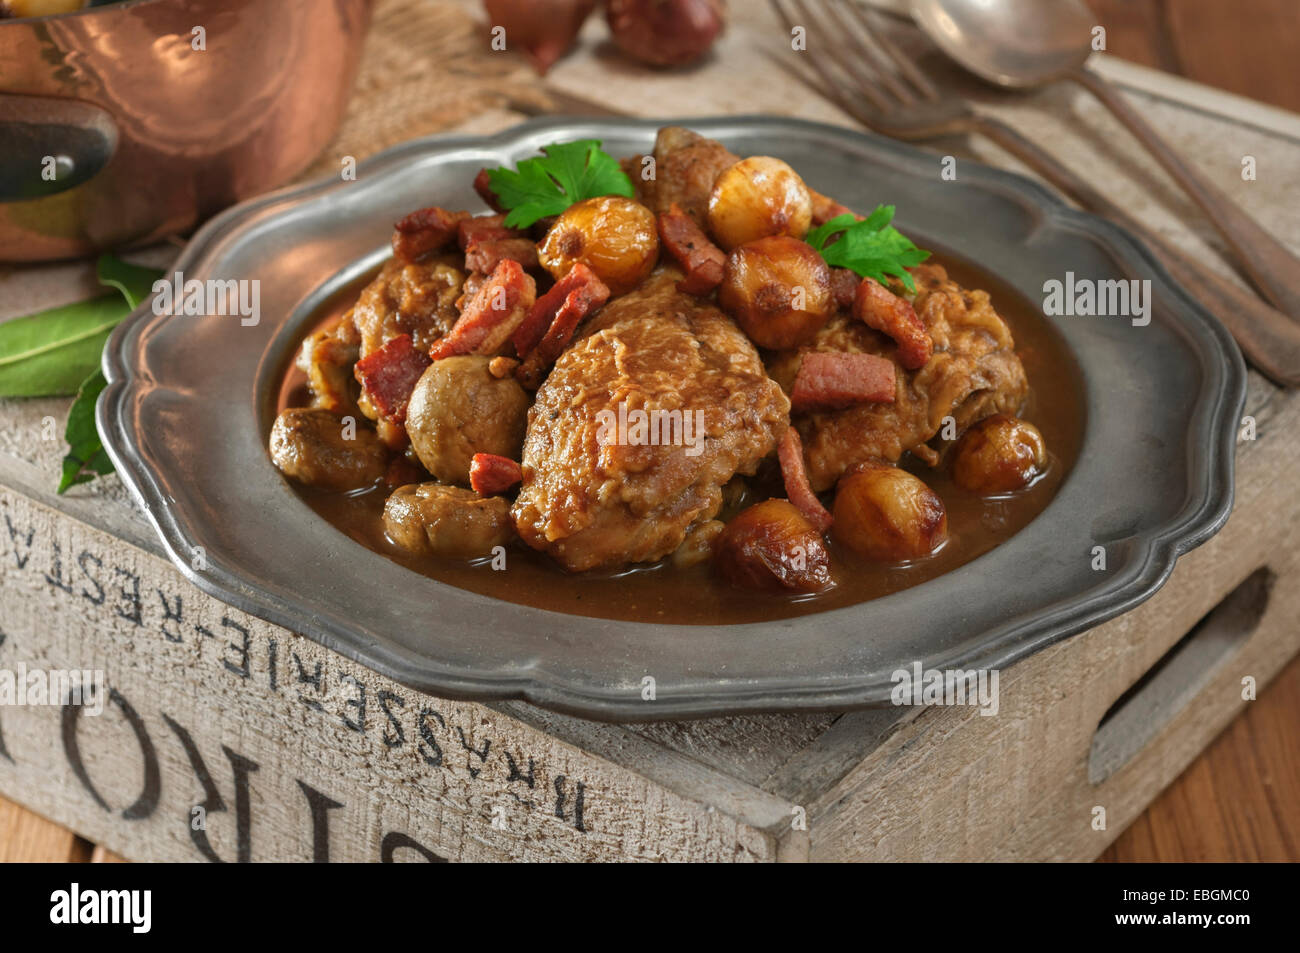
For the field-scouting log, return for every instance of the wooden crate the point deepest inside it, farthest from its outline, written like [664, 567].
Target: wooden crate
[296, 753]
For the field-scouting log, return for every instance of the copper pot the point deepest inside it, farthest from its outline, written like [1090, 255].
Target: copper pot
[115, 129]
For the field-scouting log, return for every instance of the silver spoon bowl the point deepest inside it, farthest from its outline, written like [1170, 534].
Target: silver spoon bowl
[1013, 43]
[1028, 43]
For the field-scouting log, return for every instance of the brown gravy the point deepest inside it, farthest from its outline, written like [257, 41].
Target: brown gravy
[662, 593]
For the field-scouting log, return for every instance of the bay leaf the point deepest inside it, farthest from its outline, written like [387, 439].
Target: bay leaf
[51, 353]
[86, 456]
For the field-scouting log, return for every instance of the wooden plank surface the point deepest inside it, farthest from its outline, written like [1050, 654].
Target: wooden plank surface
[1240, 800]
[1247, 47]
[26, 837]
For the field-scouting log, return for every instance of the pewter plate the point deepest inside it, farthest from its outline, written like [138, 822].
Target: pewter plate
[185, 417]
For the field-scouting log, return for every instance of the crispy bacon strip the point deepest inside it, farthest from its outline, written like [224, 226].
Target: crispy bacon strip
[879, 308]
[542, 315]
[484, 189]
[686, 241]
[580, 293]
[484, 256]
[490, 474]
[425, 231]
[491, 315]
[797, 487]
[482, 228]
[829, 380]
[825, 208]
[388, 375]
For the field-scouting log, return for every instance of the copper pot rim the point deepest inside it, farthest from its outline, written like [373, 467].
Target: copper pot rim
[83, 12]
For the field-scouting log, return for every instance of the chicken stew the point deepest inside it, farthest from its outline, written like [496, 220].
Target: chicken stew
[700, 402]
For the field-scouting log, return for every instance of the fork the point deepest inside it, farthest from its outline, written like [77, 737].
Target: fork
[860, 69]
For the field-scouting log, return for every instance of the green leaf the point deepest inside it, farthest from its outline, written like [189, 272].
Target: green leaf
[872, 248]
[135, 282]
[51, 353]
[569, 173]
[86, 456]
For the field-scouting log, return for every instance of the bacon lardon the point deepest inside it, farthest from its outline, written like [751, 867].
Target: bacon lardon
[491, 316]
[829, 380]
[491, 474]
[425, 231]
[388, 375]
[879, 308]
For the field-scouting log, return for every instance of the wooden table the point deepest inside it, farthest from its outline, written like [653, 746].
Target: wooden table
[1239, 800]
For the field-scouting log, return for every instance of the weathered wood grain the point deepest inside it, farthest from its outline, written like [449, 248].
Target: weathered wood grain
[201, 690]
[1237, 801]
[1247, 47]
[1024, 773]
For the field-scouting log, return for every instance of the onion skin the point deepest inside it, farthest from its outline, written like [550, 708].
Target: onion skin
[614, 236]
[888, 515]
[772, 547]
[998, 455]
[665, 32]
[755, 198]
[758, 288]
[543, 29]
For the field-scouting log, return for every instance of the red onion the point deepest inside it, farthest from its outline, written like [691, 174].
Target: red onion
[666, 32]
[544, 29]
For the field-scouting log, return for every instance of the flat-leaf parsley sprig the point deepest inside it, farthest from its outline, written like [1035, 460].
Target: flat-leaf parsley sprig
[568, 173]
[870, 247]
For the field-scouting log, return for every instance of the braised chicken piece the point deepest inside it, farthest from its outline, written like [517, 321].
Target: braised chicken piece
[972, 373]
[418, 299]
[432, 519]
[686, 167]
[592, 497]
[319, 448]
[327, 360]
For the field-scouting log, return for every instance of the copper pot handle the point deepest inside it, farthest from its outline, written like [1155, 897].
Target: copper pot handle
[51, 145]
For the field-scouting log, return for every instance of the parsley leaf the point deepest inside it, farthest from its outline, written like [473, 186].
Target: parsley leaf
[569, 173]
[86, 455]
[871, 248]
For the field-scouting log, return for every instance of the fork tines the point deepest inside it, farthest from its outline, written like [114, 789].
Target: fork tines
[853, 58]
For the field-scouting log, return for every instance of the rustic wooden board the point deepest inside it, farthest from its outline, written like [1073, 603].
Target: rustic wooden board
[1191, 37]
[299, 753]
[30, 838]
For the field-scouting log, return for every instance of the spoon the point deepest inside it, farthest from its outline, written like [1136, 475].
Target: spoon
[1027, 43]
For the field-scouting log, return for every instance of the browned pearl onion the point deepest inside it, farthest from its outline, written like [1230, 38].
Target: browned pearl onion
[1000, 454]
[888, 515]
[614, 236]
[771, 546]
[778, 289]
[757, 197]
